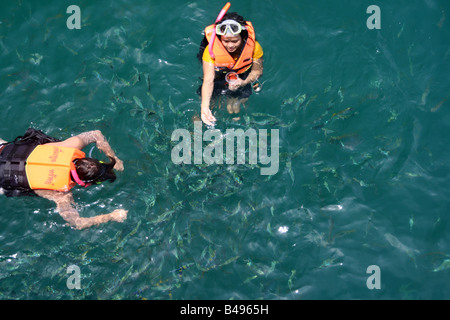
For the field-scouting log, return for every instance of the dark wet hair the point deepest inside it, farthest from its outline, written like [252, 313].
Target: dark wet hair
[236, 17]
[91, 170]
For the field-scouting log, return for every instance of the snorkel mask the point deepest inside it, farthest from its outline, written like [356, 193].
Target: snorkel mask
[229, 28]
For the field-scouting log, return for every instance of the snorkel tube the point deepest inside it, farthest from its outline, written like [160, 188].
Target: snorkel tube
[213, 37]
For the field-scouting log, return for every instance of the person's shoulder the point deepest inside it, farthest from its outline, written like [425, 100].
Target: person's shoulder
[53, 195]
[72, 142]
[257, 51]
[206, 56]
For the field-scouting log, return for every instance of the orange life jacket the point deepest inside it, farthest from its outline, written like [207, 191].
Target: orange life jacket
[223, 60]
[48, 167]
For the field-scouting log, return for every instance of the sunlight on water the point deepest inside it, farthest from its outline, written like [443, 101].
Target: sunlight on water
[362, 178]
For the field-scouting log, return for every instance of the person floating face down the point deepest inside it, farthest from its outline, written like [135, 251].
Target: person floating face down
[36, 164]
[235, 50]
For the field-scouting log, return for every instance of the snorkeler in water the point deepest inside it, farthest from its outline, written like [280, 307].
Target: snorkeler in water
[37, 164]
[230, 65]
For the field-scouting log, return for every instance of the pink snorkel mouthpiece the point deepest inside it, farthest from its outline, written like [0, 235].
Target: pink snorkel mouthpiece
[77, 179]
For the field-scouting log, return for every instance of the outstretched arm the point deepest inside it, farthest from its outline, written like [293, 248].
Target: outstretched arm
[65, 206]
[83, 139]
[207, 90]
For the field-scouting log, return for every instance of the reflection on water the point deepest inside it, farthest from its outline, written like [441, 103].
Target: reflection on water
[361, 180]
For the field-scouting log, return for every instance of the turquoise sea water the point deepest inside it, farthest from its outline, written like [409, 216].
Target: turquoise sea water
[363, 168]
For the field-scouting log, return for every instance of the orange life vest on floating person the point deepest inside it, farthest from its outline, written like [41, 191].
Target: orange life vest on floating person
[48, 167]
[223, 60]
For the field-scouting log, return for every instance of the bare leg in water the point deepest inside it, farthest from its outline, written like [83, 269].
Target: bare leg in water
[234, 106]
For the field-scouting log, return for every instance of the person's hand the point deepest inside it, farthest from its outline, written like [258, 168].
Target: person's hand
[236, 84]
[119, 215]
[119, 165]
[207, 116]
